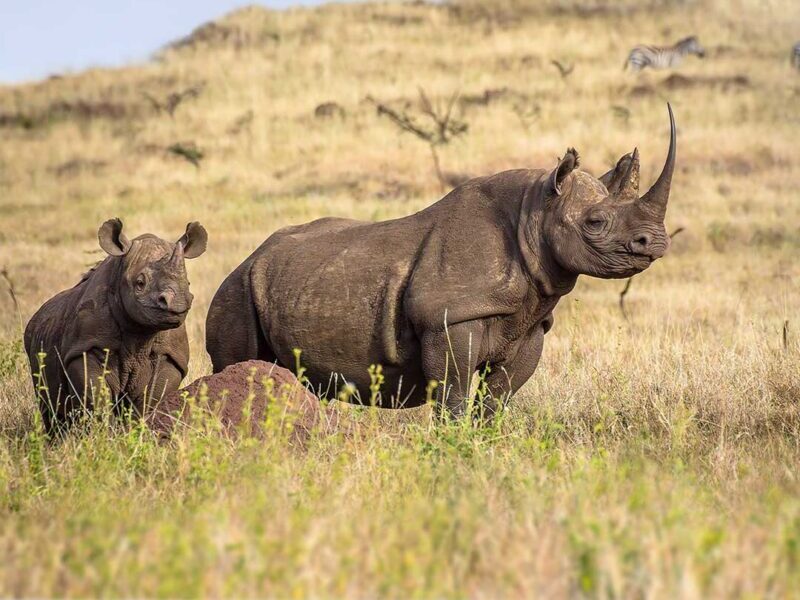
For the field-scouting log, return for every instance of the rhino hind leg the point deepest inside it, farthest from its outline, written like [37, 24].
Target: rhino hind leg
[233, 330]
[51, 384]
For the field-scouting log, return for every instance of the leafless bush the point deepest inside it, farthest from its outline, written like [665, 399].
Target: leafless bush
[171, 103]
[563, 69]
[242, 123]
[329, 110]
[188, 151]
[439, 125]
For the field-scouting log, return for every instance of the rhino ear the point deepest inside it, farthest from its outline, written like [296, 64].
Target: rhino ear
[565, 166]
[194, 241]
[111, 238]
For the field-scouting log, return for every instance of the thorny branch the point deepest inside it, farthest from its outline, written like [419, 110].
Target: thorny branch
[786, 335]
[402, 120]
[4, 274]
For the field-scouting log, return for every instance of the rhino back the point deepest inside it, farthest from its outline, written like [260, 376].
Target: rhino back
[45, 330]
[58, 328]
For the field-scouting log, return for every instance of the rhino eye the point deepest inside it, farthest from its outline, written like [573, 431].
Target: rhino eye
[140, 283]
[595, 223]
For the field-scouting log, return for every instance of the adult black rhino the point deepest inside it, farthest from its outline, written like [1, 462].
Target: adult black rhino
[468, 282]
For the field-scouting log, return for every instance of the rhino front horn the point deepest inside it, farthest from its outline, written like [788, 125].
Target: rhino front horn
[655, 200]
[177, 254]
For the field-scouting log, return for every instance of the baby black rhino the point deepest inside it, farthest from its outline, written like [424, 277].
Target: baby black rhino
[132, 307]
[467, 283]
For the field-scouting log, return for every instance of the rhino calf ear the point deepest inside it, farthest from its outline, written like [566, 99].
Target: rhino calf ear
[565, 166]
[111, 238]
[194, 241]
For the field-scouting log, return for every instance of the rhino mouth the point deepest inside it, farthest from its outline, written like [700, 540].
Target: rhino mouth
[173, 315]
[167, 316]
[170, 321]
[641, 261]
[633, 263]
[631, 256]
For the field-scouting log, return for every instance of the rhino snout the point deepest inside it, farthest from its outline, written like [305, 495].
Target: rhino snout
[647, 244]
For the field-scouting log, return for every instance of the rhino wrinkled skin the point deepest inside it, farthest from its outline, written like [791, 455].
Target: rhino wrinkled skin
[469, 282]
[125, 318]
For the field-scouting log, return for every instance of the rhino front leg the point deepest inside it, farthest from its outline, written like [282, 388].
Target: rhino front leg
[506, 378]
[78, 394]
[449, 357]
[167, 377]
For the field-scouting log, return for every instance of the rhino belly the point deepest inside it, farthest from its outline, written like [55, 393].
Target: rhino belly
[340, 304]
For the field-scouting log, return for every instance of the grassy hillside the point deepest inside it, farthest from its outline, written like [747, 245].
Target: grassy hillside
[654, 455]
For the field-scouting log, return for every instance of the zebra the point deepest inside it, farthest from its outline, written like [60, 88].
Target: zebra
[796, 56]
[658, 57]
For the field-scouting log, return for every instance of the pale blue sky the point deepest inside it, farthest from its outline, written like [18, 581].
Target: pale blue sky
[39, 38]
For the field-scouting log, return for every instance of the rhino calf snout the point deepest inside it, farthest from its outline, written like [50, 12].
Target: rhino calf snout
[169, 301]
[165, 300]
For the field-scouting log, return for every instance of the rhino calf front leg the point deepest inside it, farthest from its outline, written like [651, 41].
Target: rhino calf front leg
[450, 356]
[166, 378]
[82, 386]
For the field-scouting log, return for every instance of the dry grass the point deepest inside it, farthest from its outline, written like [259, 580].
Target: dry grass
[655, 456]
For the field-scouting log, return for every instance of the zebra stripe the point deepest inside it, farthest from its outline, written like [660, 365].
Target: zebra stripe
[662, 57]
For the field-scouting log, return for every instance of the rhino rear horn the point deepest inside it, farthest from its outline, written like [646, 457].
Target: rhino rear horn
[565, 166]
[192, 243]
[111, 238]
[623, 179]
[655, 200]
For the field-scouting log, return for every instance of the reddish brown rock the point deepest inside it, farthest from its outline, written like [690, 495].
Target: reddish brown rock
[274, 398]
